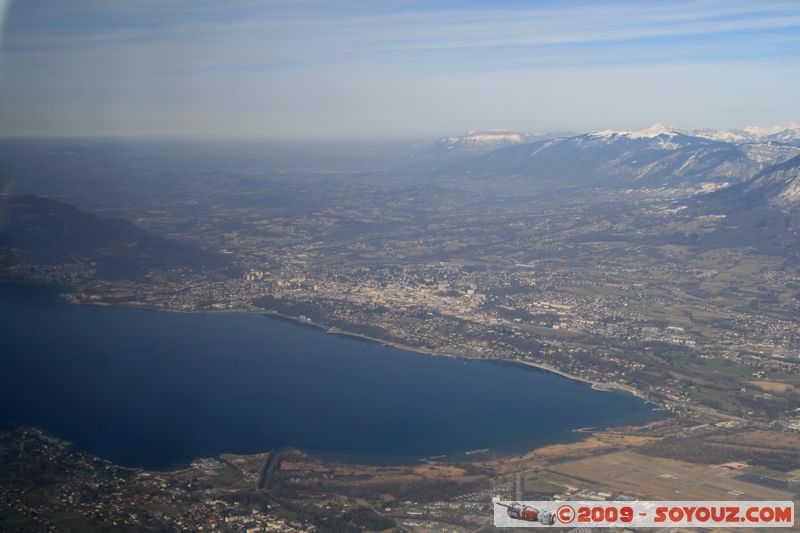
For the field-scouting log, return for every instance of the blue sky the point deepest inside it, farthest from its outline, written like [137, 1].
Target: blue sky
[352, 69]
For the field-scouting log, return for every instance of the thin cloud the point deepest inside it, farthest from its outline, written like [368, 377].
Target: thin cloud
[258, 53]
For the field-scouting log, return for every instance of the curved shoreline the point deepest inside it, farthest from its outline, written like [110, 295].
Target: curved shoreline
[59, 293]
[596, 385]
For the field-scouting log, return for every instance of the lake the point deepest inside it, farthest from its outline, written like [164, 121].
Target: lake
[154, 389]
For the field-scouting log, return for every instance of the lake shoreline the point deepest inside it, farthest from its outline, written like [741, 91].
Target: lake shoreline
[605, 417]
[596, 385]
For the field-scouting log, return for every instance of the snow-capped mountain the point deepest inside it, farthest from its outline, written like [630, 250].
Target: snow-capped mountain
[789, 134]
[777, 186]
[770, 153]
[477, 142]
[656, 130]
[484, 138]
[728, 136]
[787, 179]
[658, 156]
[763, 211]
[654, 157]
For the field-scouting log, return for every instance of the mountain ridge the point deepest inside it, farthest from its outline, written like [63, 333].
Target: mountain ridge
[657, 156]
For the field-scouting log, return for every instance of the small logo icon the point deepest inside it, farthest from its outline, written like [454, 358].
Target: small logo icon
[566, 514]
[517, 511]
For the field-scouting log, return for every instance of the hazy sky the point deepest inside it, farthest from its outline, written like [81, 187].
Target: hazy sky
[246, 68]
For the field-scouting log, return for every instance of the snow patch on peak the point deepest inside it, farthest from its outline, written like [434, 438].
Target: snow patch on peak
[728, 136]
[608, 133]
[488, 137]
[656, 130]
[477, 142]
[766, 131]
[755, 134]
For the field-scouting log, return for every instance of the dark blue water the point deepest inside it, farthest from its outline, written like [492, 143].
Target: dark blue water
[152, 389]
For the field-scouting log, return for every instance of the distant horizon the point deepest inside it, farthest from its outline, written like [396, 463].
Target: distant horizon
[375, 138]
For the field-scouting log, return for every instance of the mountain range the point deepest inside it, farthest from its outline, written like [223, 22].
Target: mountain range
[762, 212]
[478, 142]
[655, 157]
[488, 140]
[789, 134]
[748, 180]
[777, 187]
